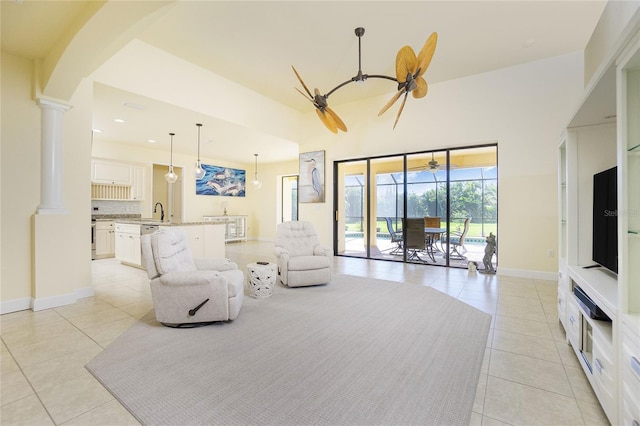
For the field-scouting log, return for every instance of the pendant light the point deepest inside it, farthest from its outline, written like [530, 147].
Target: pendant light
[199, 172]
[256, 183]
[171, 177]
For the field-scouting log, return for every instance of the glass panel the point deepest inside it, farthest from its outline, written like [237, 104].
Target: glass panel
[289, 198]
[426, 207]
[351, 209]
[474, 204]
[387, 211]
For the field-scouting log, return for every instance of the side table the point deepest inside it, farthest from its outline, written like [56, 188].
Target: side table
[261, 279]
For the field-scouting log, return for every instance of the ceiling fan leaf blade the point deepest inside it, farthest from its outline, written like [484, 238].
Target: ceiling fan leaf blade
[421, 90]
[400, 110]
[327, 120]
[302, 82]
[426, 54]
[305, 96]
[391, 102]
[406, 63]
[339, 123]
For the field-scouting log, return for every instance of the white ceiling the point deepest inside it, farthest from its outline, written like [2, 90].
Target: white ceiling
[255, 44]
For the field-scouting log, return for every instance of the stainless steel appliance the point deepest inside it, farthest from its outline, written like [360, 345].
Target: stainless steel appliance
[93, 239]
[148, 229]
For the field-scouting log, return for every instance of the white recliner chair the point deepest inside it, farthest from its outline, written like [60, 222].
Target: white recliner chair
[188, 292]
[302, 260]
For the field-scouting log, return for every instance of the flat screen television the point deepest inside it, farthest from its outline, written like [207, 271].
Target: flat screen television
[605, 219]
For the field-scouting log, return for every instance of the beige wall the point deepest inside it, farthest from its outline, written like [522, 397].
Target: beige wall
[46, 258]
[524, 108]
[20, 153]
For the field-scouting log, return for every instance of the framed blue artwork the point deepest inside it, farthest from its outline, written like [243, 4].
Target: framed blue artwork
[223, 181]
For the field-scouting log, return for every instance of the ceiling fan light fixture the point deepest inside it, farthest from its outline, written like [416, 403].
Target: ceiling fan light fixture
[199, 171]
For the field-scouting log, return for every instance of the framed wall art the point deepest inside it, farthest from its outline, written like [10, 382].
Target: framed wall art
[311, 177]
[223, 181]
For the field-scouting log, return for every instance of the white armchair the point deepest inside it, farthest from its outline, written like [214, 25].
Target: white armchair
[302, 260]
[187, 292]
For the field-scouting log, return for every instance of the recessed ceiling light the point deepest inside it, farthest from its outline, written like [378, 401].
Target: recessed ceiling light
[118, 120]
[152, 141]
[209, 141]
[96, 130]
[132, 105]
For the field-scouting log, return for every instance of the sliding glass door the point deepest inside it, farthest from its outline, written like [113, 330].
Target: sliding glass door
[427, 195]
[350, 236]
[289, 198]
[434, 207]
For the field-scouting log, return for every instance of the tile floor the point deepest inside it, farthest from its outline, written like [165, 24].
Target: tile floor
[530, 376]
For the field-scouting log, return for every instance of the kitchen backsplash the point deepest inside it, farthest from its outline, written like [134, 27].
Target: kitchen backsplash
[115, 207]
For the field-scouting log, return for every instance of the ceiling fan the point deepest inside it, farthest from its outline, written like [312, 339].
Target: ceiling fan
[432, 166]
[409, 76]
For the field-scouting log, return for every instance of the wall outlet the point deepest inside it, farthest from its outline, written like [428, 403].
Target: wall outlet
[550, 253]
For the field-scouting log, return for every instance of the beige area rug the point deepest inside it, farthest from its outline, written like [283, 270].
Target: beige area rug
[358, 351]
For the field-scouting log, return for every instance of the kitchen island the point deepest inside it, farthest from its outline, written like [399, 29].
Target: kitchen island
[205, 239]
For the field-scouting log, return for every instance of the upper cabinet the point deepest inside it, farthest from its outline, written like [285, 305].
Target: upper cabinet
[110, 173]
[112, 180]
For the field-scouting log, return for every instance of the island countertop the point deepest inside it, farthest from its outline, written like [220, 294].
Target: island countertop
[142, 221]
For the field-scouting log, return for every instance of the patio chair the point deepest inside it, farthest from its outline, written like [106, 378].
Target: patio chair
[415, 238]
[433, 238]
[457, 240]
[396, 237]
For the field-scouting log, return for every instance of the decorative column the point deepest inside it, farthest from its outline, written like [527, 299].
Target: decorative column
[51, 157]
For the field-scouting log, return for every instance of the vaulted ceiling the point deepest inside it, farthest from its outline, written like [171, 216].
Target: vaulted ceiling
[255, 43]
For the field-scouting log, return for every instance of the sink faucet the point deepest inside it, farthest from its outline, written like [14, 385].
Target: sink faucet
[155, 208]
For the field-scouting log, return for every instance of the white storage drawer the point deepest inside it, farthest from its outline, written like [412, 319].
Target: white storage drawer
[562, 307]
[104, 226]
[573, 322]
[630, 377]
[128, 228]
[604, 378]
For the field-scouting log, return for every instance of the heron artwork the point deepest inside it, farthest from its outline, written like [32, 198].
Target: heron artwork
[311, 188]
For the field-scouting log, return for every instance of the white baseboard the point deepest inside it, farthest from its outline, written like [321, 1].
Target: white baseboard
[45, 302]
[524, 273]
[84, 292]
[15, 305]
[53, 301]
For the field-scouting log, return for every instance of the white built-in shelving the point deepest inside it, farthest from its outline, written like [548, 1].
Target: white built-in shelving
[604, 132]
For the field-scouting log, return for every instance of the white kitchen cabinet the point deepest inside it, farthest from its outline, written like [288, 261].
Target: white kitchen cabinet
[110, 172]
[105, 240]
[111, 180]
[206, 241]
[137, 183]
[214, 238]
[127, 244]
[235, 227]
[195, 237]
